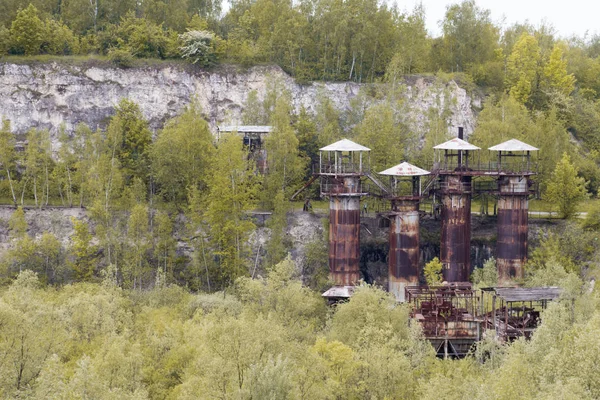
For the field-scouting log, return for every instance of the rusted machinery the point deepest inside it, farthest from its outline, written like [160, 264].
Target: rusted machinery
[455, 190]
[514, 171]
[341, 166]
[448, 316]
[404, 254]
[514, 312]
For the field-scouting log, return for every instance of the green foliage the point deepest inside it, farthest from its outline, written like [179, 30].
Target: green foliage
[83, 251]
[27, 32]
[182, 154]
[487, 276]
[433, 272]
[469, 36]
[128, 132]
[17, 224]
[8, 156]
[231, 192]
[387, 137]
[59, 39]
[522, 68]
[565, 188]
[121, 57]
[555, 74]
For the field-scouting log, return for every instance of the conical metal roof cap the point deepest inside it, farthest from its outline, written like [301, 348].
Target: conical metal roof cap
[456, 144]
[513, 145]
[404, 169]
[344, 145]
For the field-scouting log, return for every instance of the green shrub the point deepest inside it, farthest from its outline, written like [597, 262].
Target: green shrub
[121, 57]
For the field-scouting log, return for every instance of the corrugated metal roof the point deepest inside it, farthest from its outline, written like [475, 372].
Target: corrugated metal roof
[456, 144]
[245, 128]
[340, 292]
[345, 145]
[513, 145]
[527, 294]
[404, 169]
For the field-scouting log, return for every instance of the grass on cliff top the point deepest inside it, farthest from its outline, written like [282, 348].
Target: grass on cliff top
[93, 60]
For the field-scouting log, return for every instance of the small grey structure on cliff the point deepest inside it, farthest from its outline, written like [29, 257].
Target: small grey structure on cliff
[48, 95]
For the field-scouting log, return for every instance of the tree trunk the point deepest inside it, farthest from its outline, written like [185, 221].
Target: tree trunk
[12, 190]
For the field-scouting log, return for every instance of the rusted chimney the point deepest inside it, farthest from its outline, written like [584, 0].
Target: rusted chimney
[404, 253]
[514, 169]
[455, 192]
[341, 167]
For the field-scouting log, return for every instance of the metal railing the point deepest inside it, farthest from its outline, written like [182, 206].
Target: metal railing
[341, 168]
[514, 167]
[333, 188]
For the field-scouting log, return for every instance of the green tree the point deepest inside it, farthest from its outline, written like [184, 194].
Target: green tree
[17, 224]
[433, 272]
[555, 76]
[231, 194]
[130, 139]
[164, 243]
[386, 137]
[522, 68]
[82, 251]
[58, 39]
[413, 47]
[27, 31]
[8, 155]
[284, 165]
[487, 276]
[469, 37]
[138, 237]
[182, 154]
[565, 189]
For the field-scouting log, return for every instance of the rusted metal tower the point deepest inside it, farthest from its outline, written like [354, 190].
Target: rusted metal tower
[455, 190]
[515, 169]
[404, 254]
[341, 167]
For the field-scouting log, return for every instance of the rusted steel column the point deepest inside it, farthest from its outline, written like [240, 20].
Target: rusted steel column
[511, 247]
[456, 228]
[403, 259]
[344, 234]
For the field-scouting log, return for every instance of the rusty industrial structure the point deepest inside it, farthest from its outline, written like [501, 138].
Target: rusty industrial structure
[453, 316]
[341, 167]
[455, 190]
[448, 316]
[515, 169]
[404, 254]
[253, 137]
[513, 312]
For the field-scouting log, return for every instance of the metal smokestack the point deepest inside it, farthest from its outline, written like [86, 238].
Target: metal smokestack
[460, 136]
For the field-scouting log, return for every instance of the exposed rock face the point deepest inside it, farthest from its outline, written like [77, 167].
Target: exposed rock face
[48, 95]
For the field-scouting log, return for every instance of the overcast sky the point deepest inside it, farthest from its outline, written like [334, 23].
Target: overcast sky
[569, 17]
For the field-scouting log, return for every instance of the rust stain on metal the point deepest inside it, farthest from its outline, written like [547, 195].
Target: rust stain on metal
[511, 250]
[456, 228]
[344, 239]
[403, 259]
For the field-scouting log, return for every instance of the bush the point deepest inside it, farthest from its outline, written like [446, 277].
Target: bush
[199, 47]
[59, 39]
[121, 57]
[4, 40]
